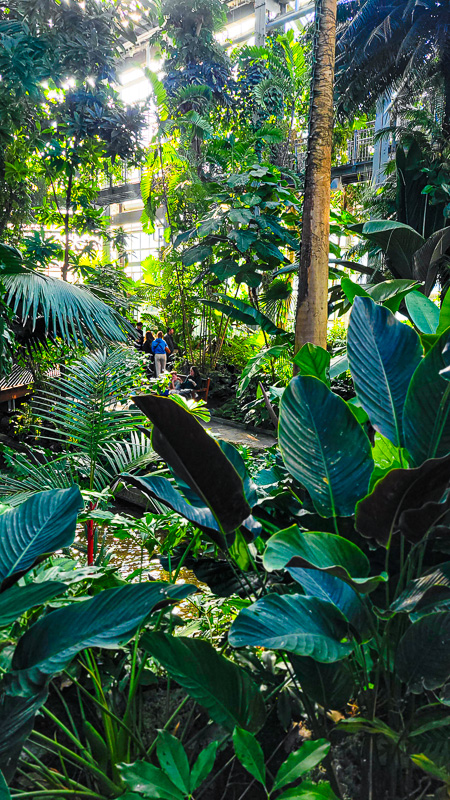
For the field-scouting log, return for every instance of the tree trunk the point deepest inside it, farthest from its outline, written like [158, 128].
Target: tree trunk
[312, 303]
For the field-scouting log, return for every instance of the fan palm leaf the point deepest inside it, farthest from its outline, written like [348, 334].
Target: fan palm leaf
[69, 312]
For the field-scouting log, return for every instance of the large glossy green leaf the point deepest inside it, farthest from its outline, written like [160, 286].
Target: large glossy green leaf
[404, 501]
[313, 360]
[306, 626]
[324, 447]
[43, 523]
[383, 354]
[423, 312]
[300, 761]
[224, 689]
[316, 583]
[107, 620]
[322, 551]
[196, 458]
[398, 241]
[71, 312]
[426, 259]
[426, 420]
[423, 654]
[18, 599]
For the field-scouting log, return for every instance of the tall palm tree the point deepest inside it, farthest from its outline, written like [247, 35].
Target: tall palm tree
[312, 303]
[401, 45]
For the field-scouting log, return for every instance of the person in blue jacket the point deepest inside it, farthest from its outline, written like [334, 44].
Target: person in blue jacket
[160, 351]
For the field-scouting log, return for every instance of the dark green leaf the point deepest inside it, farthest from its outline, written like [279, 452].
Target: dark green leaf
[383, 354]
[43, 523]
[324, 447]
[426, 421]
[107, 620]
[4, 791]
[203, 765]
[226, 268]
[18, 599]
[323, 551]
[398, 241]
[423, 312]
[428, 590]
[17, 715]
[329, 685]
[243, 239]
[302, 625]
[423, 654]
[316, 583]
[240, 216]
[224, 689]
[195, 254]
[197, 459]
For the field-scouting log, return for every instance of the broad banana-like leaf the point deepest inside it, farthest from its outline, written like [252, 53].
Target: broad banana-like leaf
[43, 523]
[313, 360]
[426, 591]
[107, 620]
[423, 653]
[334, 590]
[426, 420]
[404, 501]
[18, 599]
[324, 447]
[398, 241]
[330, 685]
[322, 551]
[224, 689]
[243, 312]
[306, 626]
[17, 715]
[197, 459]
[423, 312]
[383, 354]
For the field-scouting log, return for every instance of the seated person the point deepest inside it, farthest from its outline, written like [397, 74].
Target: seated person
[190, 384]
[175, 382]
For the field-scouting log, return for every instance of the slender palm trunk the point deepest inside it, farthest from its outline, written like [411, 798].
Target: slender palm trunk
[312, 303]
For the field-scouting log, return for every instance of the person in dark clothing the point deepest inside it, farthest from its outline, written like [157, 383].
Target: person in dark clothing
[149, 338]
[190, 384]
[169, 340]
[140, 336]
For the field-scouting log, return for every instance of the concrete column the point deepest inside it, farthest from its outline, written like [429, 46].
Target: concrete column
[260, 23]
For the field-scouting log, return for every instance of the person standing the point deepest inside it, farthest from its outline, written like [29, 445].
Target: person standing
[149, 339]
[160, 349]
[169, 340]
[140, 336]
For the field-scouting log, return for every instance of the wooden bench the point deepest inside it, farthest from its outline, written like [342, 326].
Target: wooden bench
[202, 394]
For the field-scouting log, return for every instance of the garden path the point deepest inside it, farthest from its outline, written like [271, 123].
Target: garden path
[235, 435]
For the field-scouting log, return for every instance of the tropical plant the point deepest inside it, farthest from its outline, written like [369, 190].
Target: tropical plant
[85, 414]
[111, 618]
[312, 588]
[393, 46]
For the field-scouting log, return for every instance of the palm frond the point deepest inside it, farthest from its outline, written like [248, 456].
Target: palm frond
[69, 312]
